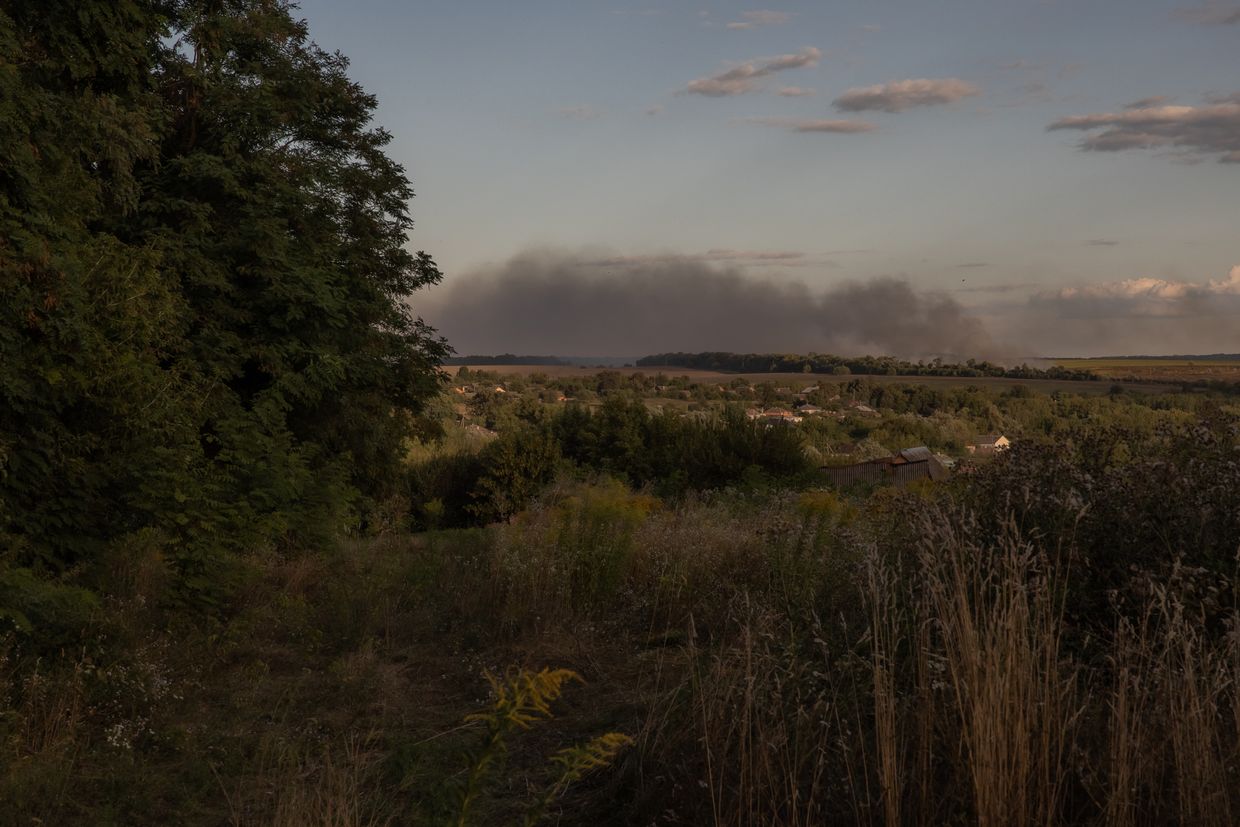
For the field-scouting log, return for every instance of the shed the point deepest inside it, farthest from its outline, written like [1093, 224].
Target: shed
[908, 465]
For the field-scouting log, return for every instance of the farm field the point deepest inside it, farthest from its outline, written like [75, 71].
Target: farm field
[1043, 385]
[1166, 370]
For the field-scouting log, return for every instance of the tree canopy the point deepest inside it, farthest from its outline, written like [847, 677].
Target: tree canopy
[205, 329]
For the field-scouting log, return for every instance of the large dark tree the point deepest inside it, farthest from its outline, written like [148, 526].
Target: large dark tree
[204, 319]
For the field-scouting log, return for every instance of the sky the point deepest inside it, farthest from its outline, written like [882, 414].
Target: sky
[991, 178]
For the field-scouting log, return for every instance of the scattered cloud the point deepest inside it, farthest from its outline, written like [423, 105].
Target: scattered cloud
[1193, 132]
[760, 17]
[1211, 14]
[839, 127]
[1147, 103]
[580, 113]
[871, 27]
[741, 78]
[905, 94]
[793, 92]
[657, 109]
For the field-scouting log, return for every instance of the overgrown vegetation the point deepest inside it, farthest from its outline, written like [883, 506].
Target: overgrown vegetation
[253, 565]
[1052, 637]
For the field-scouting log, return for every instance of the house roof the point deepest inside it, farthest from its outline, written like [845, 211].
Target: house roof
[918, 454]
[988, 439]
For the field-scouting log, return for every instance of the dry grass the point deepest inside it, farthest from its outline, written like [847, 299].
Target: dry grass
[298, 786]
[1013, 693]
[1159, 370]
[961, 700]
[801, 379]
[779, 664]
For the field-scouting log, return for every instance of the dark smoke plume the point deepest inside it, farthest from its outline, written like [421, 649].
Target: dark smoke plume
[556, 303]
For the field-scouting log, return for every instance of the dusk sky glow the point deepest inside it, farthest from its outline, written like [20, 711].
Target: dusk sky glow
[1067, 172]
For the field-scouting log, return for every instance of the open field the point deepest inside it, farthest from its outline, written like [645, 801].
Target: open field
[1043, 385]
[1166, 370]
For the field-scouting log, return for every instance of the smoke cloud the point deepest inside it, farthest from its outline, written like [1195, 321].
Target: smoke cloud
[556, 303]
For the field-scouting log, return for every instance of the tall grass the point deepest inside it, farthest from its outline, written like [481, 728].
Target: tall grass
[781, 660]
[961, 698]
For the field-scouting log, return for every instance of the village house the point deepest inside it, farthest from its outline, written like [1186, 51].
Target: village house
[861, 409]
[781, 415]
[809, 410]
[989, 444]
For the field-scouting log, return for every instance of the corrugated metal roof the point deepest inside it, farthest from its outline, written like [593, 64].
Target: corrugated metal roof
[910, 464]
[918, 454]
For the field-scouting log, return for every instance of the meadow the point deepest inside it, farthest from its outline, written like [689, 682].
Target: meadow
[1050, 637]
[1159, 370]
[712, 376]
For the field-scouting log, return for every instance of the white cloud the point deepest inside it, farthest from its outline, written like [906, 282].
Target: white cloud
[793, 92]
[1195, 131]
[905, 94]
[1137, 315]
[840, 127]
[741, 78]
[1150, 297]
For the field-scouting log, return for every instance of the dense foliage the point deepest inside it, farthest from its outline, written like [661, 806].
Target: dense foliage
[1049, 637]
[623, 439]
[203, 283]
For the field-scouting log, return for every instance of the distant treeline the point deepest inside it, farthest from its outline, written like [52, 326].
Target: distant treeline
[505, 359]
[863, 365]
[1207, 357]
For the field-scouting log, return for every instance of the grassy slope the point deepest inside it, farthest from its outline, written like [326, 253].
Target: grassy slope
[753, 647]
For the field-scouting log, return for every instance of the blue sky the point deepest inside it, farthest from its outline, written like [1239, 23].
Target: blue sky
[578, 128]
